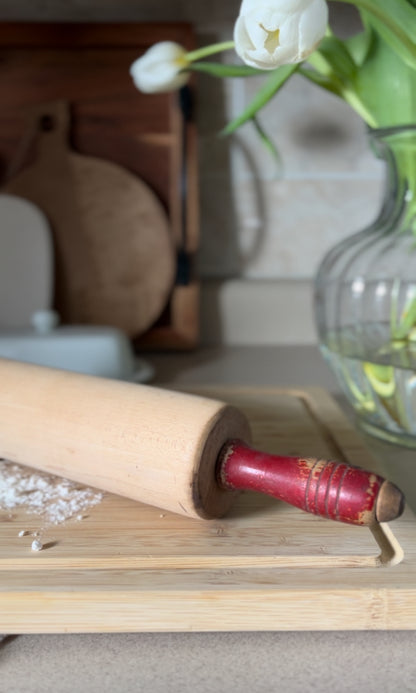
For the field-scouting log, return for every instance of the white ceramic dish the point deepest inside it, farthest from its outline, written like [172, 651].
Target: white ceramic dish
[100, 351]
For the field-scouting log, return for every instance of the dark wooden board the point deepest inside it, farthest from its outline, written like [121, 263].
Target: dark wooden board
[88, 65]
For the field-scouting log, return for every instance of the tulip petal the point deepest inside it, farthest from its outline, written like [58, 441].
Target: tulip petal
[311, 24]
[270, 33]
[161, 68]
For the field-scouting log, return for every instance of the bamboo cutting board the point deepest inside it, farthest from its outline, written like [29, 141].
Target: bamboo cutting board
[128, 567]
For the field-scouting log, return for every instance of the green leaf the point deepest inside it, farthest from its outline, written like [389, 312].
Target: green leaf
[324, 81]
[386, 86]
[277, 78]
[335, 70]
[335, 58]
[221, 70]
[360, 45]
[267, 142]
[395, 21]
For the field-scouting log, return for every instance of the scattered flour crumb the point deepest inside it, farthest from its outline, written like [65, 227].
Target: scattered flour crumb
[23, 533]
[53, 498]
[37, 545]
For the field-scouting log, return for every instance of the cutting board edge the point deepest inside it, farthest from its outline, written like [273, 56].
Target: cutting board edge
[216, 610]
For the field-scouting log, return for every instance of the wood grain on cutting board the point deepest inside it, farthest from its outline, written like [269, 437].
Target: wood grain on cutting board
[265, 566]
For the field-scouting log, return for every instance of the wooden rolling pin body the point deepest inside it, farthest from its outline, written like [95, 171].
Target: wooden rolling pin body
[152, 445]
[181, 452]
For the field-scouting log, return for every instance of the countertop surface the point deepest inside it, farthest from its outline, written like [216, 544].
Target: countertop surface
[261, 662]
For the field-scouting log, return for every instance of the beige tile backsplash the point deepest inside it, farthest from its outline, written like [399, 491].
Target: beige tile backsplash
[258, 221]
[326, 186]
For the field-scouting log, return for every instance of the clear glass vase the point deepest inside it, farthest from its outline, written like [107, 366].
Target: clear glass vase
[365, 301]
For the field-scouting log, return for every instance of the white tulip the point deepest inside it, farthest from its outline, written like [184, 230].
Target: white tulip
[159, 69]
[270, 33]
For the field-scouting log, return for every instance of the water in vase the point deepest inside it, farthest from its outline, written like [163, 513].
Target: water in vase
[378, 376]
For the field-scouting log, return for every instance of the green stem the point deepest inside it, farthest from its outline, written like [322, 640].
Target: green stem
[331, 83]
[205, 51]
[355, 102]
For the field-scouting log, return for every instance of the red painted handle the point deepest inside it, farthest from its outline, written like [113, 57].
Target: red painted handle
[334, 490]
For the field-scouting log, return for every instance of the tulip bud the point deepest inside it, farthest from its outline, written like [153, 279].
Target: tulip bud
[160, 68]
[270, 33]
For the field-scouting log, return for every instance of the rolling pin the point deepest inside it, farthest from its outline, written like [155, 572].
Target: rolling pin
[181, 452]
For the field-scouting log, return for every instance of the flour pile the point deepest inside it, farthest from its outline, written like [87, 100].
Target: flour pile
[53, 498]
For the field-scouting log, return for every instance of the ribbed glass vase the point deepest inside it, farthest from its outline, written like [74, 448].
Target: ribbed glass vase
[365, 301]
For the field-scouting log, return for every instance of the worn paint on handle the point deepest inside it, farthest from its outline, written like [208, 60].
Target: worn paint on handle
[333, 490]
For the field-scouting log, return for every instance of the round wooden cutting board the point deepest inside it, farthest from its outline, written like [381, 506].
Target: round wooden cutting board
[114, 255]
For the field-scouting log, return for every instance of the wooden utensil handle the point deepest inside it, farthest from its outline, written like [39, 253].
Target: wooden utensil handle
[333, 490]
